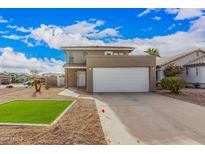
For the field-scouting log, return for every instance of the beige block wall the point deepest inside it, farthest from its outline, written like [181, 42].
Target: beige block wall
[121, 61]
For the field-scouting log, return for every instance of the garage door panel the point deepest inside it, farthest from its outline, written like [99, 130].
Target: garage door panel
[121, 79]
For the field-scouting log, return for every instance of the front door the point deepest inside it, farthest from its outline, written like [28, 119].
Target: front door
[81, 78]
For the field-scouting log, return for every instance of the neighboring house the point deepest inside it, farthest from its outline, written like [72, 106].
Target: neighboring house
[22, 78]
[182, 60]
[54, 80]
[5, 79]
[194, 73]
[109, 69]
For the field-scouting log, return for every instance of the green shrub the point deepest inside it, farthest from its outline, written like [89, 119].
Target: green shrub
[173, 84]
[172, 70]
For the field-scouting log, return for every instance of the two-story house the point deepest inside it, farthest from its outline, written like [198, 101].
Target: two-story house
[109, 69]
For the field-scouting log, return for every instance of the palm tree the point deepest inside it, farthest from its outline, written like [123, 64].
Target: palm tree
[152, 52]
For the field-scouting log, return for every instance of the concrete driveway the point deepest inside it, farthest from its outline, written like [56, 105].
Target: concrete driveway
[156, 119]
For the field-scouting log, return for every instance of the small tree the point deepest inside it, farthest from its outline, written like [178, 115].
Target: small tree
[13, 77]
[172, 70]
[37, 84]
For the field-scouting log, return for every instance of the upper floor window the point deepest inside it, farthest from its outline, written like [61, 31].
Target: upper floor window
[197, 53]
[108, 53]
[71, 58]
[118, 53]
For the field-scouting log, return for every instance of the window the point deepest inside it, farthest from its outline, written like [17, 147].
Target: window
[197, 71]
[187, 71]
[71, 59]
[108, 53]
[118, 53]
[197, 53]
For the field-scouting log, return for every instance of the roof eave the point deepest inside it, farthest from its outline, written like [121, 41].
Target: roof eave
[192, 65]
[98, 48]
[161, 65]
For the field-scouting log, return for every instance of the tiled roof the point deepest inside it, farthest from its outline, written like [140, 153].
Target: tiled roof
[166, 60]
[4, 76]
[199, 61]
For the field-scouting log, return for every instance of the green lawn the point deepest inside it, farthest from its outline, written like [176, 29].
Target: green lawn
[32, 111]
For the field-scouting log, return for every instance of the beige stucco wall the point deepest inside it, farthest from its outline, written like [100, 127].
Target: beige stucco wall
[121, 61]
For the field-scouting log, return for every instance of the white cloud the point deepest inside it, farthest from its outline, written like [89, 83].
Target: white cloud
[20, 29]
[185, 13]
[2, 20]
[105, 33]
[157, 18]
[188, 13]
[145, 12]
[57, 36]
[81, 33]
[12, 37]
[171, 27]
[24, 39]
[12, 61]
[181, 14]
[171, 10]
[82, 27]
[172, 44]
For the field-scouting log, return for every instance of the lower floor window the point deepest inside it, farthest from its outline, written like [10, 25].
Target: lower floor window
[187, 71]
[197, 71]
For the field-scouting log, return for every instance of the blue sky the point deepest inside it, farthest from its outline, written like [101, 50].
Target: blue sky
[35, 35]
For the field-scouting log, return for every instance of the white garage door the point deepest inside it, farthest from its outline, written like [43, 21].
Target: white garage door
[121, 79]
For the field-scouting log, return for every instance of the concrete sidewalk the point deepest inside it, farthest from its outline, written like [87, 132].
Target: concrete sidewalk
[115, 132]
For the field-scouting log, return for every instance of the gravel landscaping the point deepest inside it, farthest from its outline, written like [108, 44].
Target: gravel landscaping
[80, 125]
[195, 96]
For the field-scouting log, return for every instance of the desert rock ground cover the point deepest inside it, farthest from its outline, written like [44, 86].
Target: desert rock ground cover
[80, 125]
[195, 96]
